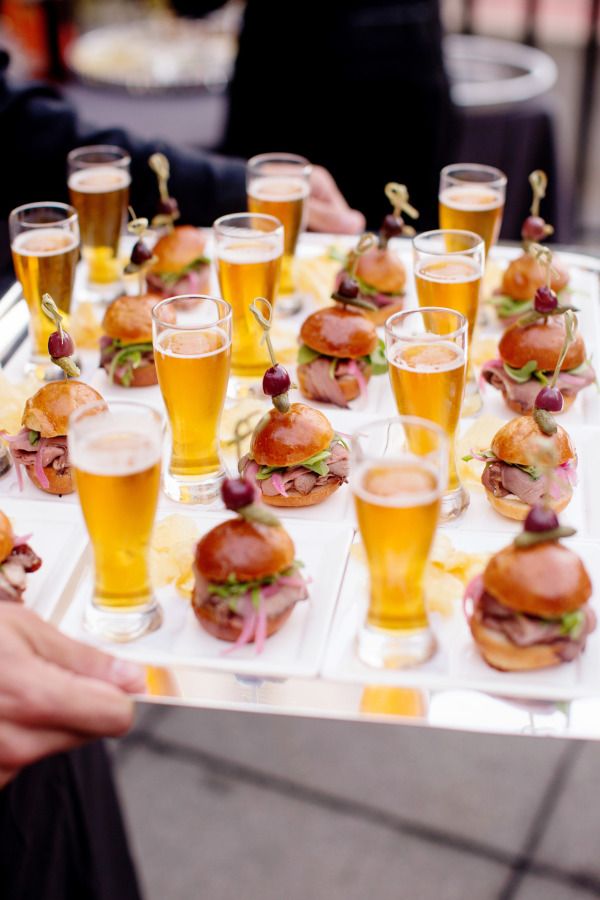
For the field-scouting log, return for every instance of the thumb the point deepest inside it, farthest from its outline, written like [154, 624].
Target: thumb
[324, 216]
[82, 659]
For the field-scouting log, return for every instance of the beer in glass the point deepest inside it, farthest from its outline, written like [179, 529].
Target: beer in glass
[426, 351]
[471, 198]
[45, 249]
[397, 493]
[115, 453]
[248, 250]
[278, 184]
[192, 352]
[99, 190]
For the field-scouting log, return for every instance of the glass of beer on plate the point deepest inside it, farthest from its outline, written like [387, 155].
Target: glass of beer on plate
[99, 190]
[248, 250]
[471, 198]
[115, 452]
[426, 351]
[448, 267]
[278, 184]
[192, 352]
[44, 239]
[398, 476]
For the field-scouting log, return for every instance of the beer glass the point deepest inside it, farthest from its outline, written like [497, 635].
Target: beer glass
[398, 475]
[44, 241]
[99, 190]
[427, 354]
[192, 352]
[471, 198]
[448, 267]
[115, 453]
[248, 249]
[278, 184]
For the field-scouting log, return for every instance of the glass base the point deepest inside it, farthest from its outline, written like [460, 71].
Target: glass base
[197, 489]
[122, 625]
[239, 387]
[473, 401]
[453, 504]
[395, 650]
[289, 304]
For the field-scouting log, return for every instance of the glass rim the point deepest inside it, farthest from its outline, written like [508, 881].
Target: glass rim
[223, 227]
[71, 215]
[123, 156]
[106, 406]
[478, 243]
[184, 327]
[462, 328]
[400, 419]
[499, 177]
[274, 156]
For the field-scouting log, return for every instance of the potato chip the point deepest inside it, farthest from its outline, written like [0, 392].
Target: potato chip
[443, 591]
[85, 326]
[245, 414]
[12, 400]
[316, 276]
[478, 437]
[483, 349]
[172, 553]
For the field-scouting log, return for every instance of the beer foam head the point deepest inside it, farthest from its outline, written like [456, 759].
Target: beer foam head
[245, 251]
[114, 443]
[45, 242]
[407, 481]
[451, 269]
[428, 356]
[471, 197]
[99, 179]
[191, 344]
[278, 189]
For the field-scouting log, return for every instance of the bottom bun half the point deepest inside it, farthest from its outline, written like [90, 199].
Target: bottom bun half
[143, 376]
[517, 407]
[231, 630]
[513, 508]
[59, 482]
[500, 653]
[317, 495]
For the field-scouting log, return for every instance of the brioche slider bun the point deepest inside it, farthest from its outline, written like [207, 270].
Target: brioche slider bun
[178, 248]
[339, 332]
[129, 320]
[249, 551]
[383, 270]
[525, 275]
[7, 537]
[517, 443]
[546, 580]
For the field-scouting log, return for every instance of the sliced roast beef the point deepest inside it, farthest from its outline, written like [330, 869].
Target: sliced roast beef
[193, 282]
[108, 351]
[319, 383]
[301, 480]
[523, 395]
[53, 451]
[501, 479]
[277, 597]
[492, 479]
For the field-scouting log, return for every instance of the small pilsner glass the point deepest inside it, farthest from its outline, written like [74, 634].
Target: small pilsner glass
[116, 452]
[426, 351]
[398, 475]
[192, 352]
[44, 239]
[279, 184]
[471, 198]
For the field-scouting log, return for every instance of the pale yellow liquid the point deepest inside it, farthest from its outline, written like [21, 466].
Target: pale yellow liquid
[472, 207]
[193, 370]
[284, 198]
[397, 506]
[453, 283]
[428, 380]
[100, 195]
[119, 508]
[45, 261]
[247, 271]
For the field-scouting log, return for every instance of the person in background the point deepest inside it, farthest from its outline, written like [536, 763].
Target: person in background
[39, 128]
[358, 86]
[61, 832]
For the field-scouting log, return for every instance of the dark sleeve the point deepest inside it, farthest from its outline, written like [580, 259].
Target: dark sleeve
[39, 128]
[195, 9]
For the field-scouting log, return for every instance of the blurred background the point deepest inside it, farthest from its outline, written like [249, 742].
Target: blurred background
[524, 78]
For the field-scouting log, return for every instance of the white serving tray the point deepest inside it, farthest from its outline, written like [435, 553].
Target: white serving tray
[58, 536]
[296, 650]
[457, 664]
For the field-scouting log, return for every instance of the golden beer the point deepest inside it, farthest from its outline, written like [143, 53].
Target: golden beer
[193, 370]
[428, 380]
[472, 207]
[118, 479]
[285, 198]
[45, 261]
[248, 269]
[100, 194]
[452, 282]
[397, 506]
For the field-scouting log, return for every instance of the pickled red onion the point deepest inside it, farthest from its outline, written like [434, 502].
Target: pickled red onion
[473, 592]
[39, 469]
[354, 369]
[248, 628]
[278, 484]
[260, 632]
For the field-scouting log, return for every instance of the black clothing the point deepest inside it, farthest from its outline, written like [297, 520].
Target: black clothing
[61, 832]
[39, 128]
[359, 87]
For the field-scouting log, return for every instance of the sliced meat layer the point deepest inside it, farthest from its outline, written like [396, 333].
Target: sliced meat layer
[523, 395]
[502, 479]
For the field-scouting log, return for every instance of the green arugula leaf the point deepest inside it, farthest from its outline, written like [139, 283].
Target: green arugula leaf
[34, 437]
[506, 306]
[130, 354]
[306, 355]
[170, 278]
[377, 360]
[316, 463]
[524, 373]
[232, 588]
[332, 367]
[572, 623]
